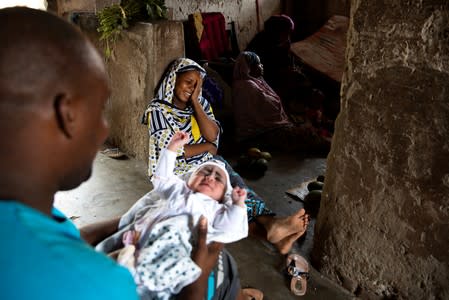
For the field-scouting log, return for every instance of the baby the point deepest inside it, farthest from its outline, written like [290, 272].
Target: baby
[156, 231]
[208, 192]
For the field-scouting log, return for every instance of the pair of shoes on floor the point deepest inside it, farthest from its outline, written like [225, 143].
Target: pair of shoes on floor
[298, 270]
[113, 153]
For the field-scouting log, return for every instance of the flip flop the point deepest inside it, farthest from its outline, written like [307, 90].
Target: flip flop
[298, 269]
[113, 153]
[252, 294]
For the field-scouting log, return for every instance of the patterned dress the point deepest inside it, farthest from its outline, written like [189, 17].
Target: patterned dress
[164, 119]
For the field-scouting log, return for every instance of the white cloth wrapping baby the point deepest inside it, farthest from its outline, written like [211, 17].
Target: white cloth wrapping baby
[163, 265]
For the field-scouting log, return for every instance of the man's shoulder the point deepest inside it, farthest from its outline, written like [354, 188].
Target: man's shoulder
[46, 261]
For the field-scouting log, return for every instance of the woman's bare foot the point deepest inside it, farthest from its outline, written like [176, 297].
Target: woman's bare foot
[280, 228]
[286, 244]
[250, 294]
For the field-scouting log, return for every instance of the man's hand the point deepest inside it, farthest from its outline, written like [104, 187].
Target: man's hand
[205, 256]
[96, 232]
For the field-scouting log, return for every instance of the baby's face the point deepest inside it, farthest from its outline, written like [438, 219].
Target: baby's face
[209, 180]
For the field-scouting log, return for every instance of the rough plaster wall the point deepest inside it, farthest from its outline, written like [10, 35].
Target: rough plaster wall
[382, 230]
[243, 12]
[140, 58]
[65, 6]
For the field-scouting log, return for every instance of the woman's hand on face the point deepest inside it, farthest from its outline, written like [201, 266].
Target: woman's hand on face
[197, 91]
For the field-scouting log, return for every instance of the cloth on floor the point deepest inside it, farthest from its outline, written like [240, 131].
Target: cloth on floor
[299, 191]
[324, 50]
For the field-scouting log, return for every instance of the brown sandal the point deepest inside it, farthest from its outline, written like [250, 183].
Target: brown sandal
[113, 153]
[298, 269]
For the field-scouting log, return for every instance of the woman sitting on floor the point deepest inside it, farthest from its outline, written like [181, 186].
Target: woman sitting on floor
[282, 71]
[179, 106]
[259, 115]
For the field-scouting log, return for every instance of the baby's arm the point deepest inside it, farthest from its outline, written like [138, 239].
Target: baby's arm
[167, 159]
[164, 179]
[232, 221]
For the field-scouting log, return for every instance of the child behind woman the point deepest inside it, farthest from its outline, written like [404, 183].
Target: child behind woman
[156, 232]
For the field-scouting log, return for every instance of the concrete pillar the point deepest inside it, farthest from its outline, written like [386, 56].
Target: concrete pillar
[382, 230]
[140, 58]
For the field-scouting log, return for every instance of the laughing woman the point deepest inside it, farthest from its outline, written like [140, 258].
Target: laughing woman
[179, 106]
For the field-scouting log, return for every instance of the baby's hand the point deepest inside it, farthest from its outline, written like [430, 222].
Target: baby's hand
[238, 196]
[178, 140]
[130, 237]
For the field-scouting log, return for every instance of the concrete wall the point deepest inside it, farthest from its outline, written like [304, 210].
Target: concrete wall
[243, 12]
[140, 58]
[64, 6]
[382, 231]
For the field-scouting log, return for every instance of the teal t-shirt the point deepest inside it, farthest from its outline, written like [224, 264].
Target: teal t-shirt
[45, 258]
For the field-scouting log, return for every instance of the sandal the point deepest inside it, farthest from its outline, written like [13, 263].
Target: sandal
[298, 269]
[252, 294]
[113, 153]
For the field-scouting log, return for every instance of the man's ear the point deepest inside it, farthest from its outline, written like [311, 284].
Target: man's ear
[65, 114]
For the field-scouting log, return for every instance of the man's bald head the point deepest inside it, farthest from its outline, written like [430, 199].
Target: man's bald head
[53, 89]
[41, 56]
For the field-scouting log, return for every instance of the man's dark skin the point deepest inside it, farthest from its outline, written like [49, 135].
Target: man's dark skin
[52, 119]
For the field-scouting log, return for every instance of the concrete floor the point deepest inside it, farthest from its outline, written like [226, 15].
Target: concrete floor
[116, 184]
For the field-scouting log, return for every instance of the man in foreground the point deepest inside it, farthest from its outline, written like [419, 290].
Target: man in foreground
[53, 88]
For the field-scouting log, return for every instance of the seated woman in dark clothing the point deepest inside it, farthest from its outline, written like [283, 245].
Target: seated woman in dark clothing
[273, 45]
[260, 118]
[281, 70]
